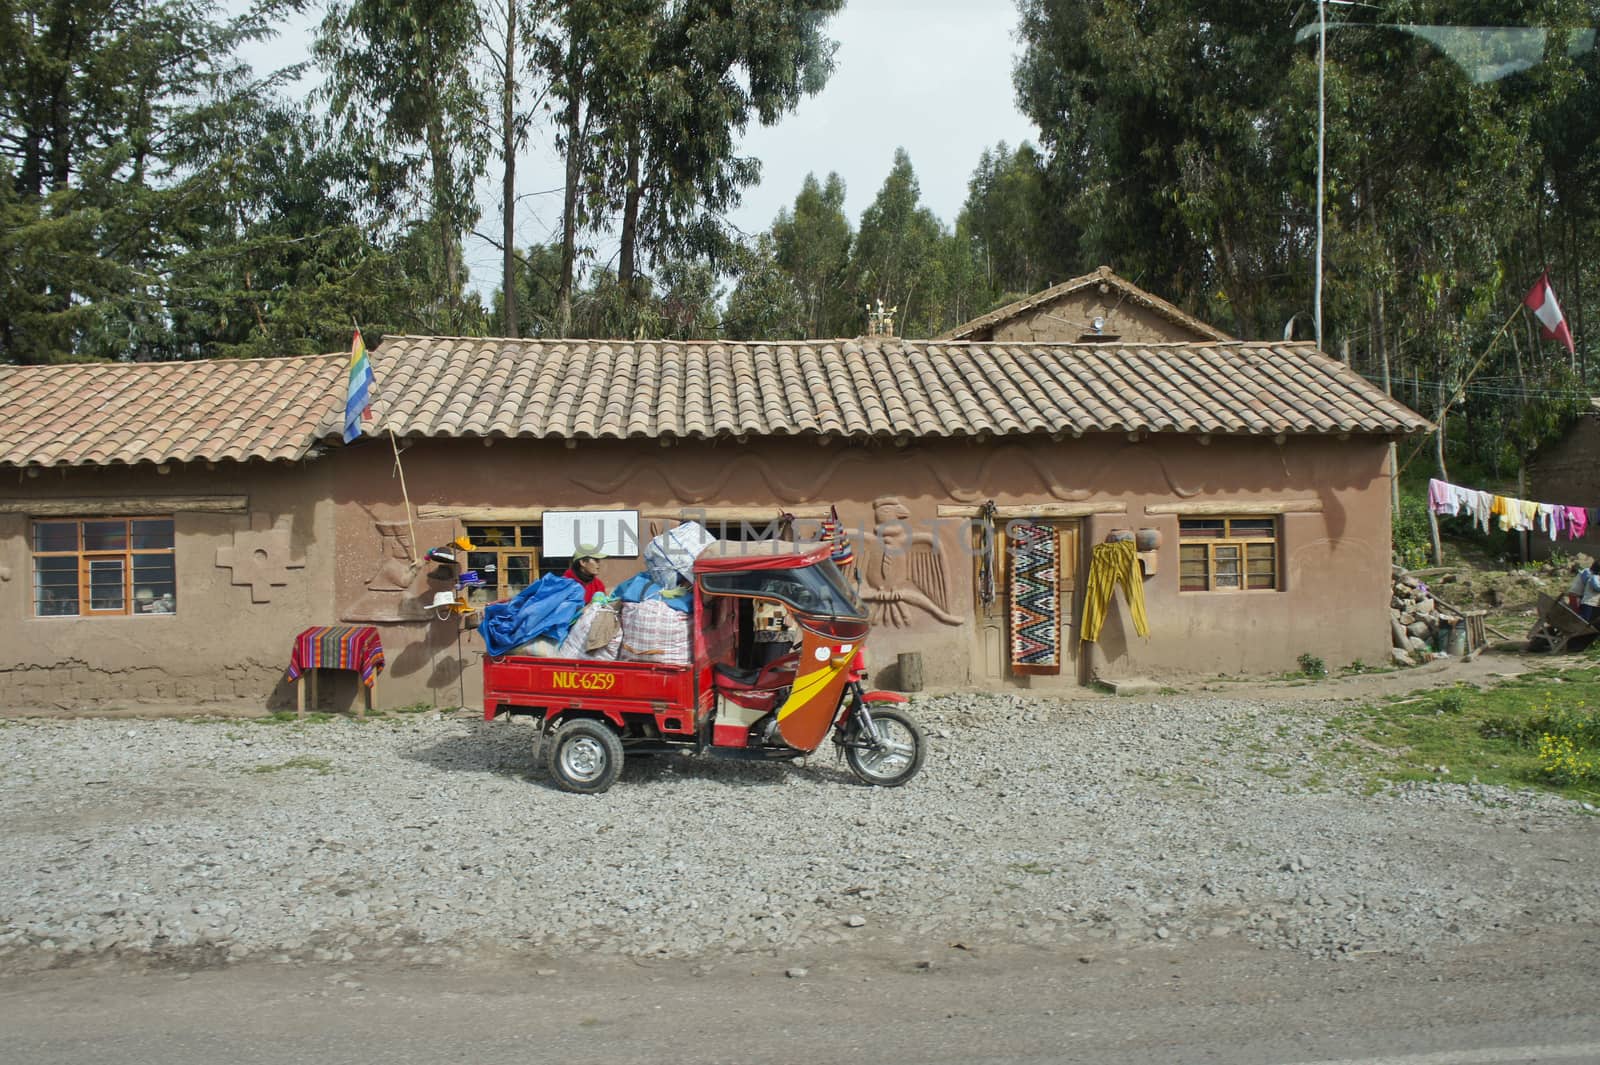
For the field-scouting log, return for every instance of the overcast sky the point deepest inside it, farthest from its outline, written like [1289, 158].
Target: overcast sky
[933, 77]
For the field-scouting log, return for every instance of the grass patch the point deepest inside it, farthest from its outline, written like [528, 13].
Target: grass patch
[320, 766]
[1538, 730]
[290, 717]
[1031, 868]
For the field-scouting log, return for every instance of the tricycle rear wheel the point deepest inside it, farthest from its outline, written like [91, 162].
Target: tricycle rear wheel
[897, 759]
[584, 756]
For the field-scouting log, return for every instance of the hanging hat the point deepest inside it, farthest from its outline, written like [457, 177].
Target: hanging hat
[442, 555]
[465, 543]
[589, 551]
[470, 579]
[443, 600]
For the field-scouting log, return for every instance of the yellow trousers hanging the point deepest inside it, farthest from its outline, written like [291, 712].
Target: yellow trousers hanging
[1113, 564]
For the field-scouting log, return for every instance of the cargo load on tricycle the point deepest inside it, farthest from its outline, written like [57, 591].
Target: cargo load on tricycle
[725, 701]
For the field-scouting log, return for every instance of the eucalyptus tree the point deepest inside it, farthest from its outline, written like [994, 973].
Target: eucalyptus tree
[1008, 217]
[654, 95]
[94, 99]
[403, 75]
[898, 256]
[812, 242]
[765, 303]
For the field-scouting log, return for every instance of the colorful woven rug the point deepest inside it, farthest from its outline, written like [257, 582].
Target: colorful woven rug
[356, 647]
[1035, 598]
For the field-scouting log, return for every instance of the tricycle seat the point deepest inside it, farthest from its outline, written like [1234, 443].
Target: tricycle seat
[737, 678]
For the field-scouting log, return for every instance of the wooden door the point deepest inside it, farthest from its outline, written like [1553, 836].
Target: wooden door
[997, 621]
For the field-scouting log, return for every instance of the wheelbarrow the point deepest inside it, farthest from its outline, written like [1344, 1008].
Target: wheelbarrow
[1557, 626]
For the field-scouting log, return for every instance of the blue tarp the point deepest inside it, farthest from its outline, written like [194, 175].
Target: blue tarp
[640, 586]
[547, 607]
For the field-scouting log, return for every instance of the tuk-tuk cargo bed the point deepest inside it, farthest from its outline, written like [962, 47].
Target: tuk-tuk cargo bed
[554, 685]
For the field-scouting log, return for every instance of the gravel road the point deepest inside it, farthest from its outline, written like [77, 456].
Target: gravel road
[433, 839]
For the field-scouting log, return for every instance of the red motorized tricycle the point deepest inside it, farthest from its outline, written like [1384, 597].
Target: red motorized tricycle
[723, 702]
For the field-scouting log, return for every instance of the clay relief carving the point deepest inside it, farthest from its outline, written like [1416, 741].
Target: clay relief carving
[394, 591]
[903, 569]
[261, 556]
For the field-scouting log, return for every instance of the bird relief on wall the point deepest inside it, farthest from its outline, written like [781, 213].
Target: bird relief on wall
[903, 571]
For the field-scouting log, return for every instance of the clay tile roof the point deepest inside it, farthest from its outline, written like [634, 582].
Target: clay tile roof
[865, 388]
[1128, 291]
[125, 413]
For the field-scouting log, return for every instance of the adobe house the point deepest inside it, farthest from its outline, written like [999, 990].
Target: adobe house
[167, 529]
[1568, 472]
[1095, 308]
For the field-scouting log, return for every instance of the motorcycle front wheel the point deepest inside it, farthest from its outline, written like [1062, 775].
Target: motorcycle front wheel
[897, 758]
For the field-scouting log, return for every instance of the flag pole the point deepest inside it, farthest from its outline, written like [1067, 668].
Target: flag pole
[395, 444]
[401, 470]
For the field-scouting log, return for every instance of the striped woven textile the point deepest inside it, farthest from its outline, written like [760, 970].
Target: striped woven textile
[356, 647]
[1035, 599]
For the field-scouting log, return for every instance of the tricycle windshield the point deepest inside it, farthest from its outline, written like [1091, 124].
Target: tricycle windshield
[818, 589]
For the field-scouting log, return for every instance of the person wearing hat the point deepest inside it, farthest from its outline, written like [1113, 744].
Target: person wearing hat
[585, 569]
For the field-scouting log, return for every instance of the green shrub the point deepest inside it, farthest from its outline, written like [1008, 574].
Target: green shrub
[1312, 666]
[1413, 541]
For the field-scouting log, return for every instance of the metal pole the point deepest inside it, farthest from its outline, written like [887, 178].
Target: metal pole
[1322, 63]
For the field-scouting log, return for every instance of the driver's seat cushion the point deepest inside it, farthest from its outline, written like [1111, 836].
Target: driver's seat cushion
[741, 678]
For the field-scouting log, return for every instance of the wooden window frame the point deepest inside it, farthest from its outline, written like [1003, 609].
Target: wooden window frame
[88, 558]
[1229, 539]
[523, 545]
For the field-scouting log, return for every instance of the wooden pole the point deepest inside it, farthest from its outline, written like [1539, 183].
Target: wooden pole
[1461, 389]
[401, 470]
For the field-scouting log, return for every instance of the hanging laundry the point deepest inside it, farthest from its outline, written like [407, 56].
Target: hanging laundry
[1113, 564]
[1577, 523]
[1515, 515]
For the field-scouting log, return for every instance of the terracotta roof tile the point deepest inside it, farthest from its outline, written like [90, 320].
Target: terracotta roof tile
[868, 388]
[449, 386]
[126, 413]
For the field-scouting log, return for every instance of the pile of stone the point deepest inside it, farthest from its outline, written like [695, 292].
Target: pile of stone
[1416, 618]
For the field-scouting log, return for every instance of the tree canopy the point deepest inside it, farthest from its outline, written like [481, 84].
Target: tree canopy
[160, 200]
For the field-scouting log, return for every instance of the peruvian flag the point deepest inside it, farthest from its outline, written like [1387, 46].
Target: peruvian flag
[1541, 299]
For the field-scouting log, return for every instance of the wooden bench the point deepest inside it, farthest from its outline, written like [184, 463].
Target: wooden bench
[1558, 625]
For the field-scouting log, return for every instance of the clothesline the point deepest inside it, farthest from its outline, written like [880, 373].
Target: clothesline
[1519, 515]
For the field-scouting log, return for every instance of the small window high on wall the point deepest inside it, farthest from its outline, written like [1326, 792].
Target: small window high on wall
[1228, 555]
[104, 567]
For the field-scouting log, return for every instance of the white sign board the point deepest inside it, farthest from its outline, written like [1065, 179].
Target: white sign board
[616, 532]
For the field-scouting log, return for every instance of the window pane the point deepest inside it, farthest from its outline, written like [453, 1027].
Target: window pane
[486, 564]
[529, 536]
[55, 536]
[1193, 568]
[153, 535]
[55, 586]
[106, 584]
[1254, 528]
[492, 535]
[1202, 528]
[155, 587]
[105, 536]
[1227, 559]
[516, 574]
[1261, 566]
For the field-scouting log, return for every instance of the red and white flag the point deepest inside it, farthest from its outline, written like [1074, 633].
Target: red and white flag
[1541, 299]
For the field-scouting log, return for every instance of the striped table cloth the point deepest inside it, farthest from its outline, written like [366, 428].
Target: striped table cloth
[356, 647]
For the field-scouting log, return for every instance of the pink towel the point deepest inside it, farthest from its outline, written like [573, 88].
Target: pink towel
[1577, 523]
[1439, 497]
